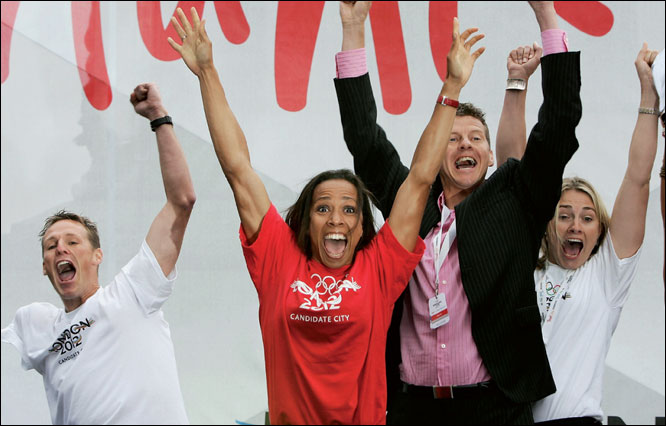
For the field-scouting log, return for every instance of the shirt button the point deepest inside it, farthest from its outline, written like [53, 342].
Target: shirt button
[443, 281]
[443, 346]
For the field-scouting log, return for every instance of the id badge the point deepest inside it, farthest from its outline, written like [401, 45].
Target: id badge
[439, 314]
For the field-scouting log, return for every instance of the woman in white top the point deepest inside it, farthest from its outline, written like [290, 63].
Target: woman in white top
[588, 257]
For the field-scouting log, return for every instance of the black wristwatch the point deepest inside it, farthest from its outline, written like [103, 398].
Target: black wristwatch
[159, 121]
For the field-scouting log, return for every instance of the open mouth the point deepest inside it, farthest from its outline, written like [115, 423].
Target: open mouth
[572, 248]
[335, 245]
[66, 270]
[465, 163]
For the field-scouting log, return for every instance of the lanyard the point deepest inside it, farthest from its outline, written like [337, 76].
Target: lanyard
[441, 250]
[550, 292]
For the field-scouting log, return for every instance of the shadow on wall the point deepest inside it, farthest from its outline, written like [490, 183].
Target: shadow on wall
[213, 312]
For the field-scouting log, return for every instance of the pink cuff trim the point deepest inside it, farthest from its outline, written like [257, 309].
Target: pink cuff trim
[554, 41]
[351, 63]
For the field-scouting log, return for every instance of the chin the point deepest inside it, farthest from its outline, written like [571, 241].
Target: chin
[335, 263]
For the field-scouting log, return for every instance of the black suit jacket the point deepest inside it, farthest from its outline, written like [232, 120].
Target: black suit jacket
[500, 225]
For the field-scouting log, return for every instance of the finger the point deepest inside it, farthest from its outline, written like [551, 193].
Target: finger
[183, 20]
[478, 53]
[177, 47]
[520, 53]
[203, 29]
[456, 28]
[473, 41]
[514, 56]
[176, 26]
[651, 56]
[468, 32]
[538, 50]
[528, 53]
[195, 17]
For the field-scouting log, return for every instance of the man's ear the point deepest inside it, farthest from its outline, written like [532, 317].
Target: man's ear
[491, 161]
[44, 268]
[98, 255]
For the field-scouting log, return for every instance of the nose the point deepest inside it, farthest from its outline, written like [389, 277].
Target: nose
[61, 247]
[575, 225]
[465, 143]
[335, 218]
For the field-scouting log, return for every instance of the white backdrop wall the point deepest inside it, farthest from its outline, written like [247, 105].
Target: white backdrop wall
[59, 151]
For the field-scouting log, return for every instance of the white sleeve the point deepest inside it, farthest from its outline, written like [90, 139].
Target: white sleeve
[30, 333]
[12, 335]
[145, 278]
[616, 274]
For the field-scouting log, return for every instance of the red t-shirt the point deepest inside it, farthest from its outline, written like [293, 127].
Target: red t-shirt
[324, 330]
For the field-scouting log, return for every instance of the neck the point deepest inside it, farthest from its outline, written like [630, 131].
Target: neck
[454, 195]
[72, 304]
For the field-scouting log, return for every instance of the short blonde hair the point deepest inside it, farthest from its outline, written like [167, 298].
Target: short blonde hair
[578, 184]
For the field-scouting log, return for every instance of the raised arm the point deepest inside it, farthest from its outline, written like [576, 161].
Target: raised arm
[375, 159]
[166, 233]
[627, 226]
[407, 211]
[353, 15]
[229, 141]
[511, 131]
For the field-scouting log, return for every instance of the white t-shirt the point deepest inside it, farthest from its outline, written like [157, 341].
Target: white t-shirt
[583, 313]
[110, 361]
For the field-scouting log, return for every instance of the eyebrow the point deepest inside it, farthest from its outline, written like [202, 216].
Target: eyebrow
[566, 206]
[471, 131]
[328, 197]
[69, 234]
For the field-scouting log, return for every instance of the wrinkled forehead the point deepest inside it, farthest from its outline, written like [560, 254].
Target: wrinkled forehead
[576, 199]
[65, 227]
[467, 123]
[335, 189]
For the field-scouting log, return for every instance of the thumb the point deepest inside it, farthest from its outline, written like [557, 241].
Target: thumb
[537, 49]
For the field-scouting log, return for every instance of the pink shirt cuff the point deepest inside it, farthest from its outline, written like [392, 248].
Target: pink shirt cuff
[554, 41]
[351, 63]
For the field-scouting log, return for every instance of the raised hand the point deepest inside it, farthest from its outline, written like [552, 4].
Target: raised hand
[147, 101]
[196, 50]
[643, 64]
[354, 12]
[353, 15]
[523, 61]
[460, 60]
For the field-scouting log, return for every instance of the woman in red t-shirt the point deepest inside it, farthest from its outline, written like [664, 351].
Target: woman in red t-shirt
[326, 282]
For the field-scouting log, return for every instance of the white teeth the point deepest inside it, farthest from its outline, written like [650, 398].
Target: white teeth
[574, 240]
[62, 264]
[335, 237]
[461, 160]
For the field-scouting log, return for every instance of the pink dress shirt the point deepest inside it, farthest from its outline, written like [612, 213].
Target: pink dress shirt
[446, 355]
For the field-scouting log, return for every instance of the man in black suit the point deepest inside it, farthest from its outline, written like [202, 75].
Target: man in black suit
[465, 344]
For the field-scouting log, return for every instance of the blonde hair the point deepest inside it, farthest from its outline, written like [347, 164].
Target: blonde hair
[577, 184]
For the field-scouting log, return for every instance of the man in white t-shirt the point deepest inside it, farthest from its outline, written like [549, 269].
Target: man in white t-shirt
[107, 358]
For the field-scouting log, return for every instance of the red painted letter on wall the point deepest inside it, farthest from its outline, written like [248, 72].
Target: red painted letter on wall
[232, 21]
[9, 9]
[591, 17]
[153, 31]
[391, 57]
[295, 38]
[87, 29]
[440, 23]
